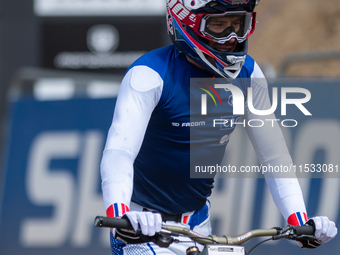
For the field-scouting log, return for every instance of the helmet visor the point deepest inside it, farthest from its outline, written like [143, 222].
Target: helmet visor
[223, 27]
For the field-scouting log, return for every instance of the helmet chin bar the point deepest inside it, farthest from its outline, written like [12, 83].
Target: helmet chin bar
[228, 72]
[236, 68]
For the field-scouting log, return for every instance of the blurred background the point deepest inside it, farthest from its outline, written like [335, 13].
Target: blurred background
[61, 63]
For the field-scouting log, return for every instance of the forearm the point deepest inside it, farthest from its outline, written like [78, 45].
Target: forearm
[288, 197]
[117, 179]
[272, 152]
[138, 96]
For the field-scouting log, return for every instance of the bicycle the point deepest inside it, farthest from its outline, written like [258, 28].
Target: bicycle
[214, 245]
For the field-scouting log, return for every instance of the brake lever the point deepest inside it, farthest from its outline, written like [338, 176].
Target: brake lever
[305, 238]
[162, 238]
[288, 233]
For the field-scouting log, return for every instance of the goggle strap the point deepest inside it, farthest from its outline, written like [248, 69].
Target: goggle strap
[252, 25]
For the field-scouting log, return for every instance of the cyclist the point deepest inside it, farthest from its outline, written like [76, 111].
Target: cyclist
[146, 160]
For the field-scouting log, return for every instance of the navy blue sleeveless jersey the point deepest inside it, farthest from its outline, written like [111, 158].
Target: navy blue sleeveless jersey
[172, 144]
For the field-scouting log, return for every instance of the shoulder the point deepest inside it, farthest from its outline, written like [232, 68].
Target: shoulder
[158, 60]
[251, 69]
[148, 71]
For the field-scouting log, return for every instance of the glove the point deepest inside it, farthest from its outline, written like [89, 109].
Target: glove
[148, 222]
[325, 230]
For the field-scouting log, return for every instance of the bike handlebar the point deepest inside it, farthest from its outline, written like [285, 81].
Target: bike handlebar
[291, 232]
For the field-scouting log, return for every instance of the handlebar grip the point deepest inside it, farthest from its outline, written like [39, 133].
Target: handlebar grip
[101, 221]
[305, 230]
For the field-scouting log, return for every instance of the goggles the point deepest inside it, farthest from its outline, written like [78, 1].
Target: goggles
[225, 26]
[219, 27]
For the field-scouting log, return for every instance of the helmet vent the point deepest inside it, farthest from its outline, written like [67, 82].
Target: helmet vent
[212, 4]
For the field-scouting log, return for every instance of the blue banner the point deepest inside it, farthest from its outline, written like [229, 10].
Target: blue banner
[52, 183]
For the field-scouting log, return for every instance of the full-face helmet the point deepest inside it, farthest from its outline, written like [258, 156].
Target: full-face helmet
[193, 23]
